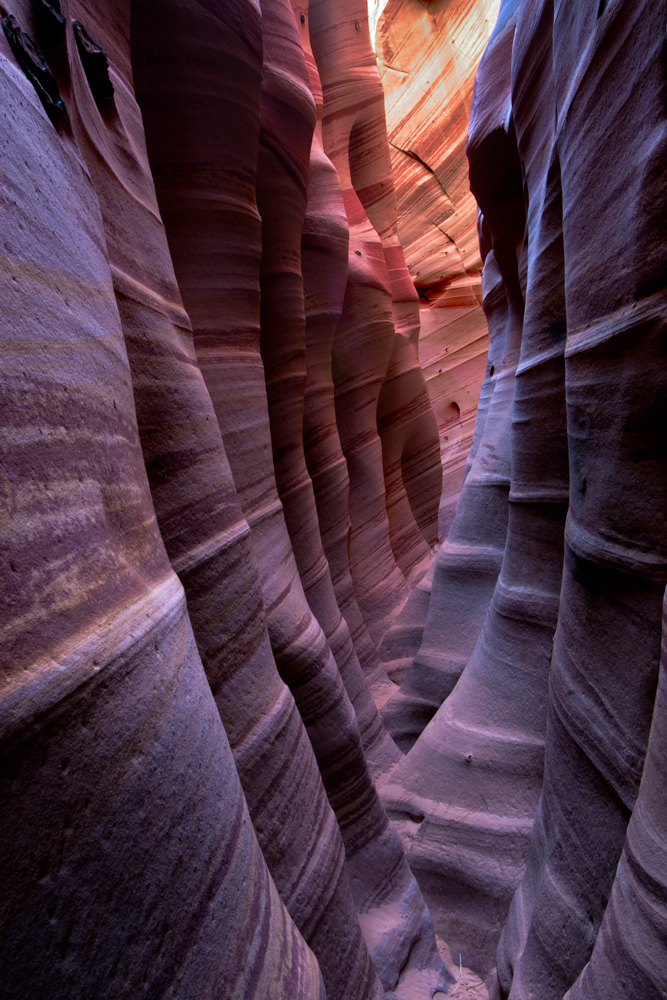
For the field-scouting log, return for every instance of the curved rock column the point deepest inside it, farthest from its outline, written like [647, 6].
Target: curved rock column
[324, 256]
[129, 863]
[485, 746]
[360, 358]
[402, 640]
[609, 86]
[409, 432]
[287, 121]
[365, 335]
[406, 422]
[466, 565]
[427, 57]
[630, 953]
[468, 562]
[200, 519]
[203, 156]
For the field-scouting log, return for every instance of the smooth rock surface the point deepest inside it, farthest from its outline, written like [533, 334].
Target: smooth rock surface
[607, 644]
[115, 765]
[466, 565]
[427, 56]
[630, 952]
[206, 535]
[222, 292]
[385, 540]
[218, 526]
[287, 116]
[324, 259]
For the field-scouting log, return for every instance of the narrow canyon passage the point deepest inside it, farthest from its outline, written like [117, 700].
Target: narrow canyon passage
[333, 499]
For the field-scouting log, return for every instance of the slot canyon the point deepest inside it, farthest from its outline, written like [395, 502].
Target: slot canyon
[333, 500]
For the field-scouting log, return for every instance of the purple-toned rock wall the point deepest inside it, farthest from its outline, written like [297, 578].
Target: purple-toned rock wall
[516, 802]
[264, 733]
[129, 860]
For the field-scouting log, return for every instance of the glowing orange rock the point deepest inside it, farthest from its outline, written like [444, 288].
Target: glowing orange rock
[427, 56]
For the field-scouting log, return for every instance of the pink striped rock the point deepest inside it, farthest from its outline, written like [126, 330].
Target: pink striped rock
[466, 566]
[324, 258]
[287, 121]
[115, 764]
[207, 537]
[221, 290]
[427, 58]
[365, 335]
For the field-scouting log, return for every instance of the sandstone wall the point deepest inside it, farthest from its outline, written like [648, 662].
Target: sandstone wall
[173, 440]
[427, 56]
[130, 864]
[220, 477]
[530, 782]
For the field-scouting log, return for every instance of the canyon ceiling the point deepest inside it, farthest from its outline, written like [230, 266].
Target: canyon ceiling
[333, 499]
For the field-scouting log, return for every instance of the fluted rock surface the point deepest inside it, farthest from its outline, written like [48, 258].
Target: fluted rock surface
[591, 586]
[606, 649]
[197, 169]
[115, 765]
[466, 566]
[324, 257]
[204, 531]
[217, 524]
[405, 419]
[287, 116]
[427, 57]
[486, 743]
[385, 539]
[630, 953]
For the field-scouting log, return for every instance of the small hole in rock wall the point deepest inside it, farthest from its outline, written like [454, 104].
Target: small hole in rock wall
[415, 817]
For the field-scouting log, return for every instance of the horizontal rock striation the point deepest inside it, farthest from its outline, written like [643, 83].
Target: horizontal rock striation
[207, 538]
[115, 764]
[467, 564]
[220, 474]
[292, 815]
[287, 123]
[630, 948]
[607, 644]
[324, 261]
[577, 603]
[229, 300]
[465, 572]
[385, 540]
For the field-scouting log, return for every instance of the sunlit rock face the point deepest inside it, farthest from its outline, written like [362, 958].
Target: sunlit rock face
[428, 54]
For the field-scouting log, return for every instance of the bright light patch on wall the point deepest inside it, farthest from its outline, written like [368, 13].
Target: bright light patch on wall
[375, 8]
